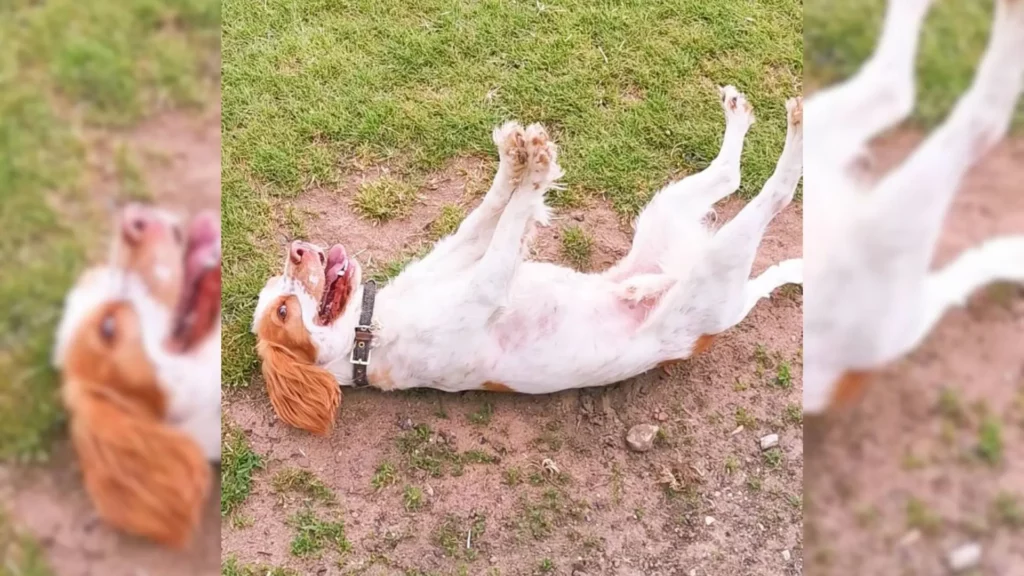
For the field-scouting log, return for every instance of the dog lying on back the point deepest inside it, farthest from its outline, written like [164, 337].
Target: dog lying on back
[870, 294]
[472, 315]
[139, 351]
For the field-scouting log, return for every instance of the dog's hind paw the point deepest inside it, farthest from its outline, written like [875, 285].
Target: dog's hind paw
[736, 106]
[795, 111]
[543, 170]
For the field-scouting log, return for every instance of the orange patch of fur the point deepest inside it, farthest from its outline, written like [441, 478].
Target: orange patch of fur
[144, 477]
[495, 387]
[701, 346]
[381, 379]
[302, 394]
[849, 389]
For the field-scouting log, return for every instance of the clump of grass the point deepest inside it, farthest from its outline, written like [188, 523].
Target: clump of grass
[413, 498]
[546, 566]
[384, 476]
[732, 464]
[745, 419]
[793, 414]
[1008, 510]
[313, 534]
[303, 482]
[478, 457]
[482, 416]
[754, 484]
[577, 247]
[238, 463]
[231, 567]
[293, 221]
[539, 517]
[447, 222]
[921, 517]
[513, 476]
[450, 535]
[383, 199]
[783, 378]
[990, 440]
[951, 407]
[387, 271]
[20, 554]
[772, 458]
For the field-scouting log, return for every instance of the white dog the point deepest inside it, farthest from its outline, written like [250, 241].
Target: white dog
[869, 295]
[473, 315]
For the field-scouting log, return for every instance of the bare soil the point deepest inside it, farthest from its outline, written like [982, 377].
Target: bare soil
[610, 511]
[896, 483]
[180, 160]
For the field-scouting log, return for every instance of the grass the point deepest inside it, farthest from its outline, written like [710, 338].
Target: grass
[384, 199]
[1008, 510]
[626, 89]
[451, 534]
[313, 534]
[302, 482]
[19, 554]
[990, 440]
[68, 64]
[840, 35]
[384, 476]
[447, 222]
[413, 498]
[577, 246]
[231, 567]
[238, 464]
[921, 517]
[482, 416]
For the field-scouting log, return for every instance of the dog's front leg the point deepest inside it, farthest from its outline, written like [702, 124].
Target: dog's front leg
[470, 241]
[540, 171]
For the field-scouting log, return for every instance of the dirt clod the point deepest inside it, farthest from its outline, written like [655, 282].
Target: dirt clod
[640, 438]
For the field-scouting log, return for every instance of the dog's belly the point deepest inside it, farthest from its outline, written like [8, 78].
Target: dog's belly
[562, 330]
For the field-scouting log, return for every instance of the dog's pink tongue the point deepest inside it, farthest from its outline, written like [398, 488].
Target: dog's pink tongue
[203, 245]
[336, 260]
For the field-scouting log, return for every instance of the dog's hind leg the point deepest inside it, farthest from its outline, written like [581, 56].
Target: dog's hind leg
[660, 224]
[469, 242]
[717, 293]
[844, 117]
[778, 275]
[905, 213]
[494, 272]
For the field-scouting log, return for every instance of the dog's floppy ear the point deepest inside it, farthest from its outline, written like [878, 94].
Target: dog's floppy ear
[304, 395]
[144, 477]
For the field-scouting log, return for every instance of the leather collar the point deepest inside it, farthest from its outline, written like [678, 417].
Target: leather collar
[360, 358]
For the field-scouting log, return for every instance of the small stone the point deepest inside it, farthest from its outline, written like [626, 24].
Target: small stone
[693, 572]
[965, 557]
[786, 555]
[494, 559]
[708, 520]
[405, 423]
[769, 441]
[641, 437]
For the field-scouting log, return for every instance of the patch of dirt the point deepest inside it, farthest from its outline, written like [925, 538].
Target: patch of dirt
[327, 217]
[181, 166]
[895, 484]
[609, 511]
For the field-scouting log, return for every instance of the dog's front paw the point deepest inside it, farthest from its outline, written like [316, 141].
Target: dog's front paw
[510, 138]
[543, 170]
[736, 106]
[795, 111]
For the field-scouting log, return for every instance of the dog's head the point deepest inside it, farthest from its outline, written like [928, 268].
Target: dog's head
[313, 295]
[144, 476]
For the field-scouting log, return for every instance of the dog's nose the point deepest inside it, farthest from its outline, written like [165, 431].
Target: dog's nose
[134, 223]
[297, 252]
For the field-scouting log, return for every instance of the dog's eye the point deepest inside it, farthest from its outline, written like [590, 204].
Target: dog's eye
[108, 328]
[282, 312]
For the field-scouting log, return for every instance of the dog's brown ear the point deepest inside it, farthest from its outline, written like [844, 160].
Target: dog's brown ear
[144, 477]
[304, 395]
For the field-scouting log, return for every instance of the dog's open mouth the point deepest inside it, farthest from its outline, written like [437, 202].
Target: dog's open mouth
[339, 274]
[199, 308]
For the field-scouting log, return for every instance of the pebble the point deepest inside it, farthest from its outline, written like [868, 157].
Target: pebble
[640, 438]
[405, 423]
[708, 520]
[769, 441]
[786, 555]
[965, 557]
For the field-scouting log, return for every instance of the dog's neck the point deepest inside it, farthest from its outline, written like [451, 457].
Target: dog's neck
[334, 343]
